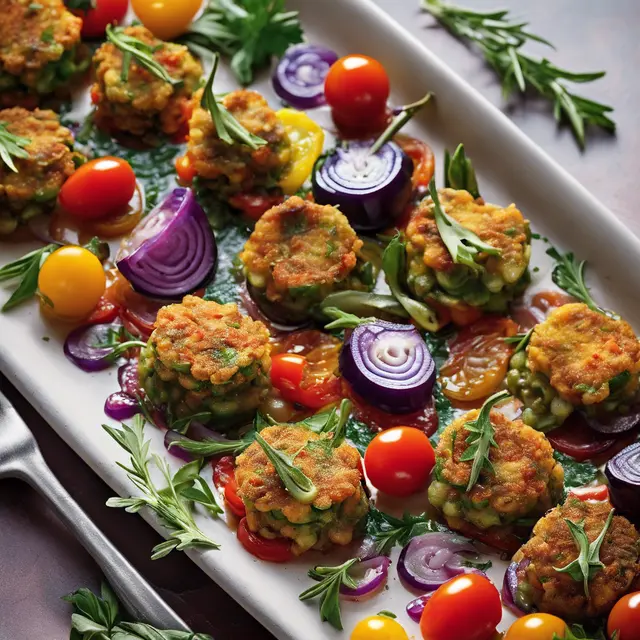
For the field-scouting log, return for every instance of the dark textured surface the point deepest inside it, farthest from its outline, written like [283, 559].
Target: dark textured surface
[40, 561]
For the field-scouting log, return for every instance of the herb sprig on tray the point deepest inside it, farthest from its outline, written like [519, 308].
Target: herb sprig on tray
[500, 39]
[12, 146]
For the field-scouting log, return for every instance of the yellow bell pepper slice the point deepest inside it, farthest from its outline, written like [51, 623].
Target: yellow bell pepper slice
[307, 140]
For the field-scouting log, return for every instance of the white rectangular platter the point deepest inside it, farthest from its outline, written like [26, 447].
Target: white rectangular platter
[510, 169]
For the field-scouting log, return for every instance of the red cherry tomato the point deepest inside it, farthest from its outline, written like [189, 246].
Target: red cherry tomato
[95, 21]
[357, 89]
[98, 188]
[423, 159]
[291, 376]
[599, 493]
[466, 607]
[185, 169]
[104, 312]
[398, 461]
[253, 205]
[625, 618]
[224, 479]
[276, 550]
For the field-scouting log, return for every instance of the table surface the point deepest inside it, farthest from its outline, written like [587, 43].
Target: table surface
[40, 561]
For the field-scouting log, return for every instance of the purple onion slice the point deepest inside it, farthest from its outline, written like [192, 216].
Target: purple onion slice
[370, 575]
[121, 406]
[128, 378]
[172, 252]
[510, 588]
[82, 346]
[623, 474]
[615, 424]
[416, 607]
[389, 365]
[300, 74]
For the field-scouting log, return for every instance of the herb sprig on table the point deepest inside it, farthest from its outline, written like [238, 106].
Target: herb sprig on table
[500, 39]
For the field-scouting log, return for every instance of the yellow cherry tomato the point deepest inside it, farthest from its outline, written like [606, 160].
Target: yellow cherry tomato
[379, 628]
[71, 282]
[166, 19]
[307, 139]
[537, 626]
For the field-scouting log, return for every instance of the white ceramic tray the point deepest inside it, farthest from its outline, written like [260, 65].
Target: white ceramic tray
[510, 169]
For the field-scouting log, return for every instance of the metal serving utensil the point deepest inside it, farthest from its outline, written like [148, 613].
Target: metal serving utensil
[20, 458]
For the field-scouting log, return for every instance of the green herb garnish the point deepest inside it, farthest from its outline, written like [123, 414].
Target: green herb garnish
[141, 52]
[363, 304]
[208, 447]
[521, 340]
[481, 439]
[80, 5]
[459, 172]
[12, 146]
[462, 244]
[294, 480]
[173, 504]
[500, 39]
[229, 130]
[344, 320]
[251, 32]
[587, 564]
[578, 632]
[119, 341]
[394, 267]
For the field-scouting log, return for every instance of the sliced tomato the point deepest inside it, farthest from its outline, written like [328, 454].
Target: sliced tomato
[423, 159]
[576, 439]
[105, 311]
[276, 550]
[598, 493]
[529, 315]
[253, 205]
[478, 360]
[225, 480]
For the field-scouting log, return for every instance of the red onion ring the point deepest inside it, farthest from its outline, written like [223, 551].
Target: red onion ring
[510, 587]
[623, 474]
[80, 346]
[121, 406]
[416, 607]
[369, 574]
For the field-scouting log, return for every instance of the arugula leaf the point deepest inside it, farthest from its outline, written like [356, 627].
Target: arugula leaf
[363, 304]
[588, 563]
[459, 172]
[251, 32]
[344, 320]
[12, 146]
[463, 245]
[521, 340]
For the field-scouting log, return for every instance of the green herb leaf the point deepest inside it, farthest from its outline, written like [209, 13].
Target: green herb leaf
[480, 439]
[363, 305]
[294, 480]
[462, 244]
[12, 146]
[27, 270]
[80, 5]
[576, 474]
[141, 52]
[208, 447]
[459, 172]
[588, 563]
[394, 267]
[174, 510]
[521, 340]
[344, 320]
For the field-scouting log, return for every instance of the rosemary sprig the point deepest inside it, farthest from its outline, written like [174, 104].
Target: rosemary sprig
[330, 579]
[462, 244]
[141, 52]
[173, 504]
[209, 447]
[459, 172]
[12, 146]
[481, 439]
[344, 320]
[521, 340]
[588, 563]
[294, 480]
[500, 40]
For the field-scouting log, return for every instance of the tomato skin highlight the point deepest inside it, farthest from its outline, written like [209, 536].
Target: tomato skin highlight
[185, 169]
[276, 550]
[224, 478]
[378, 627]
[104, 312]
[399, 461]
[166, 19]
[95, 21]
[537, 626]
[253, 205]
[424, 162]
[98, 188]
[467, 606]
[599, 493]
[625, 618]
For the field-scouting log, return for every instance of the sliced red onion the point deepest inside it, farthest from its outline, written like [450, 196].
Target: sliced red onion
[389, 365]
[428, 561]
[128, 378]
[372, 190]
[277, 325]
[172, 252]
[623, 474]
[300, 74]
[81, 346]
[171, 436]
[370, 575]
[617, 423]
[510, 587]
[416, 607]
[121, 406]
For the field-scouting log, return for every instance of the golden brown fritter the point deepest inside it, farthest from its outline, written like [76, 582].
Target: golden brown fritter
[239, 167]
[144, 102]
[502, 228]
[581, 350]
[552, 546]
[214, 342]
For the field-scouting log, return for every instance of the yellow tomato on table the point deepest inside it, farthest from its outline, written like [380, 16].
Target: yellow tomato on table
[379, 627]
[166, 19]
[537, 626]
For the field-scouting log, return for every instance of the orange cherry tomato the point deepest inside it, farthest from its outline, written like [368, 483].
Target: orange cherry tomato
[224, 478]
[275, 550]
[166, 19]
[467, 606]
[398, 461]
[185, 169]
[478, 360]
[423, 159]
[599, 493]
[95, 21]
[625, 618]
[537, 626]
[357, 89]
[253, 205]
[98, 188]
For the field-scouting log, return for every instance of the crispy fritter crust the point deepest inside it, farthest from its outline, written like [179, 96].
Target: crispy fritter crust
[577, 346]
[526, 475]
[50, 160]
[242, 168]
[301, 243]
[552, 545]
[502, 228]
[200, 333]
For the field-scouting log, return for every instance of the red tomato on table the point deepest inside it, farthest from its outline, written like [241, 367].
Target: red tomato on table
[105, 12]
[625, 618]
